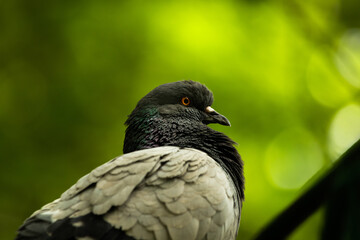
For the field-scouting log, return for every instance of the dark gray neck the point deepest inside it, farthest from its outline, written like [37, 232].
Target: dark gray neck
[148, 129]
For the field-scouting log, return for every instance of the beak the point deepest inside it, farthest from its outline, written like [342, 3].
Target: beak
[214, 117]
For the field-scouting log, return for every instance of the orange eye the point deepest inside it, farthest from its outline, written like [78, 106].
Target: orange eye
[185, 101]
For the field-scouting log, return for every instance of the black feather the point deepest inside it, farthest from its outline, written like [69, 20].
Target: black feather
[90, 225]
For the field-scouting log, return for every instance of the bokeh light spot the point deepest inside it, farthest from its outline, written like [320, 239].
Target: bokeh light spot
[292, 158]
[324, 83]
[344, 130]
[348, 57]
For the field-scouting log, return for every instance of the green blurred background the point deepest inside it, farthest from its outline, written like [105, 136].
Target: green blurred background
[285, 73]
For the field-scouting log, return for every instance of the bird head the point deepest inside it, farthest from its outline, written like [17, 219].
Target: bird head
[183, 100]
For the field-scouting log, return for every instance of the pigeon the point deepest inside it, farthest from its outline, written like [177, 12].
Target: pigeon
[177, 179]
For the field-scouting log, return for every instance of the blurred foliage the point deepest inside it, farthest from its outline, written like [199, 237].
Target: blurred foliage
[336, 191]
[286, 74]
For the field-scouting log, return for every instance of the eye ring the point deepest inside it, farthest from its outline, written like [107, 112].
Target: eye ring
[185, 101]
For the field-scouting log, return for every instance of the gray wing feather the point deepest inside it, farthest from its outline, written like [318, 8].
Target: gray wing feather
[159, 193]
